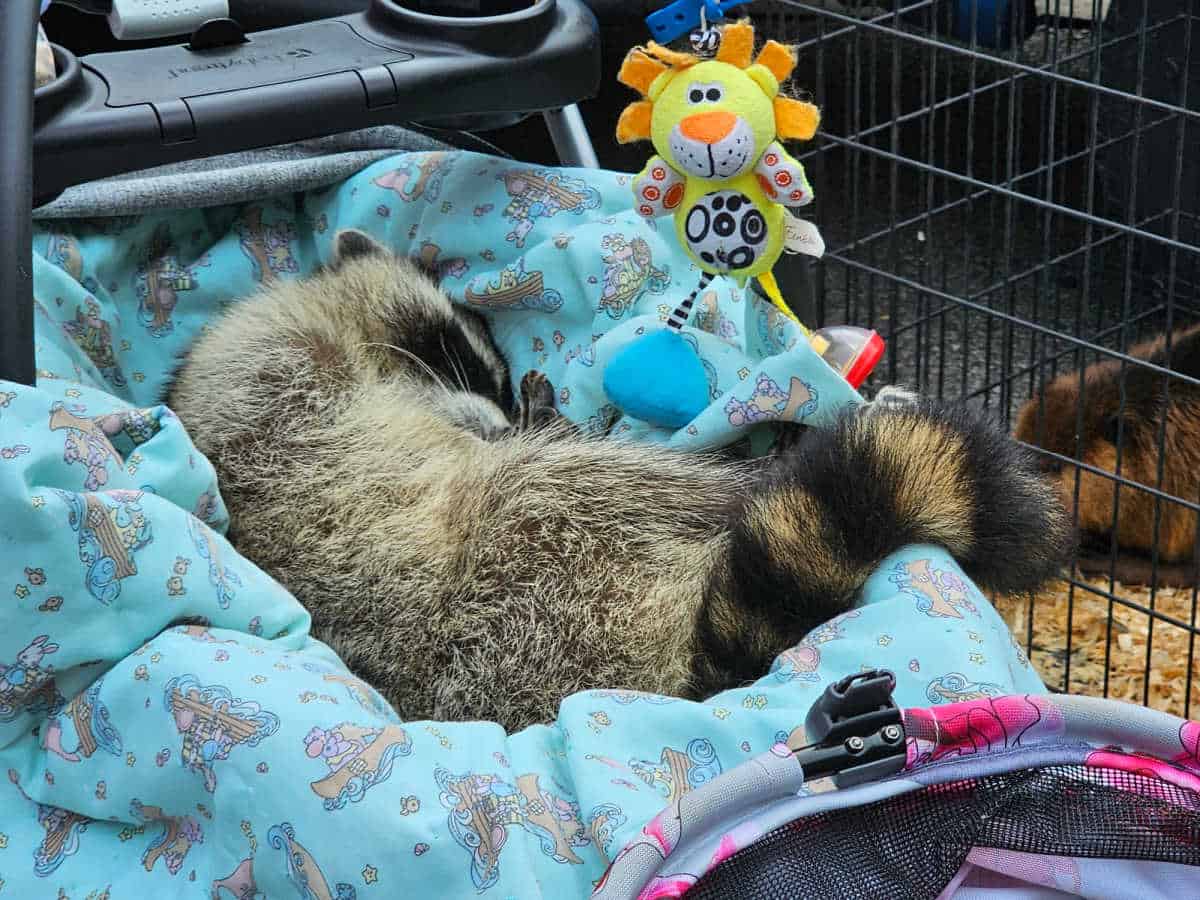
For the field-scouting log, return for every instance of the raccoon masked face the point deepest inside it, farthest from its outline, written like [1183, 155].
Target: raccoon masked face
[447, 347]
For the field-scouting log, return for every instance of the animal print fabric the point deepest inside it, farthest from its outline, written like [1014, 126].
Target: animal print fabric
[167, 726]
[555, 259]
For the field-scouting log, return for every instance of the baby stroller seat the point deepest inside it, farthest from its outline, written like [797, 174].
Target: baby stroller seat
[230, 753]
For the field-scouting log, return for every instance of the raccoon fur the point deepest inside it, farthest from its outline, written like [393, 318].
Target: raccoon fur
[473, 556]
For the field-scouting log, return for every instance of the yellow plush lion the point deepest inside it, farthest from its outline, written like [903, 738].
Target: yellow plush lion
[720, 168]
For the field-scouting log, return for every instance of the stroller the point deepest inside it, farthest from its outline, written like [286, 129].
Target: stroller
[166, 723]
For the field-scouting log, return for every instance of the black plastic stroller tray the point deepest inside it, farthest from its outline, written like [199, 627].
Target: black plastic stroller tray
[110, 113]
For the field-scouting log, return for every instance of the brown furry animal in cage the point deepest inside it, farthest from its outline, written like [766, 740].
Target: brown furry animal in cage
[1086, 422]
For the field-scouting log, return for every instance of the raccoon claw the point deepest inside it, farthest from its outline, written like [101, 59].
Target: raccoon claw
[537, 402]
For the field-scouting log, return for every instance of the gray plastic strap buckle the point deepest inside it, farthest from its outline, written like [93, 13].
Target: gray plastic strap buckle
[133, 20]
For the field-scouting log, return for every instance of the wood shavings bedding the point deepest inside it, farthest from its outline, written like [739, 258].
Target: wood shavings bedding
[1173, 650]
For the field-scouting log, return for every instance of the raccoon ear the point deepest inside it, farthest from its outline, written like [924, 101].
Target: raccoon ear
[350, 243]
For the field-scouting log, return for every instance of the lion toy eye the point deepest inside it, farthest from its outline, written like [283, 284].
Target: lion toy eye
[702, 93]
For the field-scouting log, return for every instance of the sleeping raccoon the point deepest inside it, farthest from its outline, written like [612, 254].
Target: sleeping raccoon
[475, 557]
[1052, 422]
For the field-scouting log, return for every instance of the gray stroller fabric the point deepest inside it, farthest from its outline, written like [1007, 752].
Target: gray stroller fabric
[237, 177]
[1000, 797]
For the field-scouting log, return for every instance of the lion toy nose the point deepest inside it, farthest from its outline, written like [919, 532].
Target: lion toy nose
[708, 127]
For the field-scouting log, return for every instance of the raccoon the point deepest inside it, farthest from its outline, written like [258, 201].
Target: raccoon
[472, 555]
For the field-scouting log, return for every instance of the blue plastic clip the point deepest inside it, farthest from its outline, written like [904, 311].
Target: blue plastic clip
[684, 15]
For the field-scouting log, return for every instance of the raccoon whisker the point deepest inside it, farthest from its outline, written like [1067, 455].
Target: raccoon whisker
[460, 370]
[437, 379]
[456, 365]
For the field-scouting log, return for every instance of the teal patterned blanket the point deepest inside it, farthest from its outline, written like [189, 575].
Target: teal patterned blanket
[167, 726]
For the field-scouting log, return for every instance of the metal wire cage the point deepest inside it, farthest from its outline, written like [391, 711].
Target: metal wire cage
[1009, 193]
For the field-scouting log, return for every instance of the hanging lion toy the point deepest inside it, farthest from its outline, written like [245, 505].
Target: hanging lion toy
[720, 169]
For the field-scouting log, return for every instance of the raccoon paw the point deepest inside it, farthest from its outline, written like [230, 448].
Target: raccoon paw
[536, 403]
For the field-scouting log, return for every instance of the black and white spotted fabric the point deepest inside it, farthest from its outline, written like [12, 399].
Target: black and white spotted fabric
[726, 231]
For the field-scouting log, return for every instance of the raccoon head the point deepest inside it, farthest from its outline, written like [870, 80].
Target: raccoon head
[447, 348]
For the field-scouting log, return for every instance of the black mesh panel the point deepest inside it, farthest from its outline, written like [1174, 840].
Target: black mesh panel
[911, 846]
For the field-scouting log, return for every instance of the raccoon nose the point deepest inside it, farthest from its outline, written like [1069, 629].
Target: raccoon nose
[708, 127]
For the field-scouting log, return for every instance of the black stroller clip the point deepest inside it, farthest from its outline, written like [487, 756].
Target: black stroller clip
[856, 729]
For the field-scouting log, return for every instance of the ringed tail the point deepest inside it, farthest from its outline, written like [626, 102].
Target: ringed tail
[826, 513]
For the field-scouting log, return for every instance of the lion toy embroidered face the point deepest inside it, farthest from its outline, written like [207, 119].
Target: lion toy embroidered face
[713, 121]
[720, 169]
